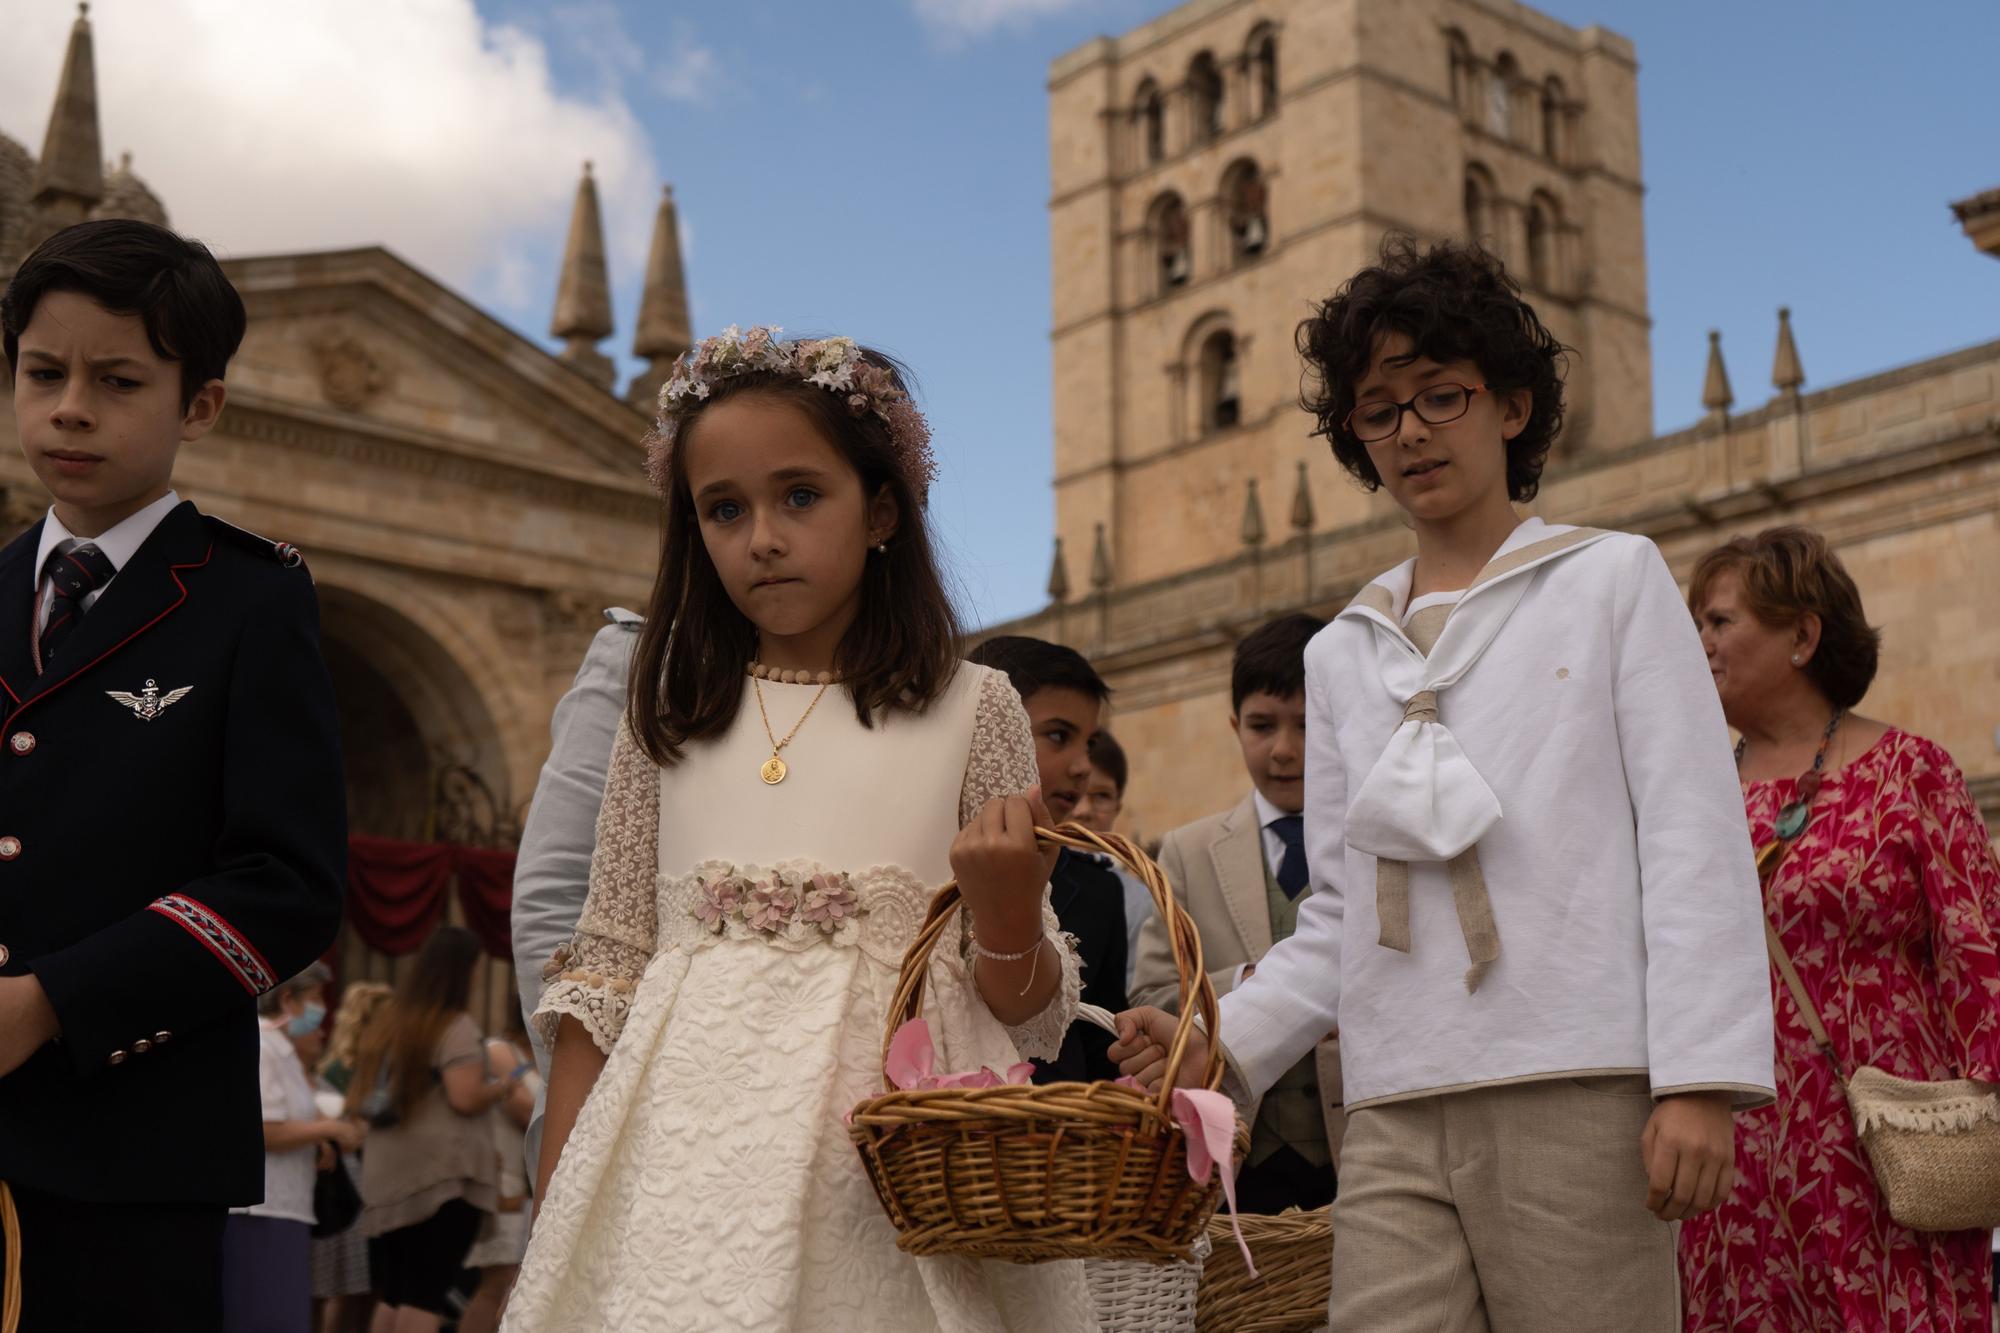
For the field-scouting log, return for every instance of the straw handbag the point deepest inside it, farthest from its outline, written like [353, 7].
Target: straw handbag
[1293, 1282]
[1935, 1147]
[1036, 1172]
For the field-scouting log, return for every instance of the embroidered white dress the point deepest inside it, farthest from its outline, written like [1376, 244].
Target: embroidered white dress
[736, 959]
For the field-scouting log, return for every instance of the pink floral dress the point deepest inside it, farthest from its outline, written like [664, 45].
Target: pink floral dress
[1889, 905]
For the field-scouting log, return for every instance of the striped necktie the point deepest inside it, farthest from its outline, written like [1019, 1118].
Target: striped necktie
[75, 570]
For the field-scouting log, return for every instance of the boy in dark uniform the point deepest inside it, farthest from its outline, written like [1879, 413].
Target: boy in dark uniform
[1064, 695]
[172, 809]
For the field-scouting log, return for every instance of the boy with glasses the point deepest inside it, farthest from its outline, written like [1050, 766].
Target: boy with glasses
[1534, 915]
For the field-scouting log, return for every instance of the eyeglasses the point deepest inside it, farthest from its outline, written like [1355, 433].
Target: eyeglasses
[1437, 405]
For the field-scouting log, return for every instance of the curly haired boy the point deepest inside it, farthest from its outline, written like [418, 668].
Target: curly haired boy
[1534, 915]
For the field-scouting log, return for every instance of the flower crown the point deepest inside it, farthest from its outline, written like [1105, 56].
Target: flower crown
[833, 364]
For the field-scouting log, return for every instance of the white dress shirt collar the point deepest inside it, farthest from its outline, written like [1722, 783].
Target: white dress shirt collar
[120, 542]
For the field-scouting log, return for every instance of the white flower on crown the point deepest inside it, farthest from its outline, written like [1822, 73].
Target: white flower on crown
[835, 364]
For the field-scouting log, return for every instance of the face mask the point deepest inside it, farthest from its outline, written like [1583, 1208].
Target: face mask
[306, 1023]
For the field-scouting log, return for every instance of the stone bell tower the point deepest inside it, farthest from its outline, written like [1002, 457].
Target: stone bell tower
[1215, 170]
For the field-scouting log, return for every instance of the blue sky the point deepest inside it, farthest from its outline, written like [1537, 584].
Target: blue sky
[881, 170]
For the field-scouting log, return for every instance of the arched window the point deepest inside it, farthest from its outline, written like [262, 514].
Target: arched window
[1554, 109]
[1204, 85]
[1500, 96]
[1167, 223]
[1463, 72]
[1221, 383]
[1481, 214]
[1246, 202]
[1264, 71]
[1544, 224]
[1152, 114]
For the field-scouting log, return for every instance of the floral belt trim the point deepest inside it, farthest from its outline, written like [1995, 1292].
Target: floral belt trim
[791, 904]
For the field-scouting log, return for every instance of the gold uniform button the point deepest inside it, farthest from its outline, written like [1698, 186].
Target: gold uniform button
[22, 742]
[141, 1046]
[162, 1038]
[10, 847]
[115, 1058]
[5, 954]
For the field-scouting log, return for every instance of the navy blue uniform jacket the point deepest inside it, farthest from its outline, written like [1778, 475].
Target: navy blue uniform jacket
[162, 864]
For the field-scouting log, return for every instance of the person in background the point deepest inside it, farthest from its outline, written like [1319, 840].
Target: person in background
[1103, 799]
[430, 1171]
[503, 1236]
[266, 1267]
[1880, 882]
[1242, 875]
[552, 873]
[1064, 696]
[343, 1298]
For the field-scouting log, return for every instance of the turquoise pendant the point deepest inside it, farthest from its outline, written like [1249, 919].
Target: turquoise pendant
[1791, 820]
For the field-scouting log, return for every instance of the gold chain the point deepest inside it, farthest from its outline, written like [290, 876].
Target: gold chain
[774, 769]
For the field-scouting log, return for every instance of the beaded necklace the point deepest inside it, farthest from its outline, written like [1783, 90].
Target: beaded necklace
[1791, 819]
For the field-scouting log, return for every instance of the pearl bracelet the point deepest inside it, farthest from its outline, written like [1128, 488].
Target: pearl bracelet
[1034, 949]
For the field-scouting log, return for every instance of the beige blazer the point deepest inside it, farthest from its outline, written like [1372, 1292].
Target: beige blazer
[1216, 868]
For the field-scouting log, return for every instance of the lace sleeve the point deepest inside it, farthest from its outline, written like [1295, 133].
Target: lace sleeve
[592, 977]
[1001, 762]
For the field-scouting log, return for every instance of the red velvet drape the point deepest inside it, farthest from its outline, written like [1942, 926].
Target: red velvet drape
[486, 895]
[396, 892]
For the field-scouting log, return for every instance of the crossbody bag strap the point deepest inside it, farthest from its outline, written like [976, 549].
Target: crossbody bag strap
[1769, 864]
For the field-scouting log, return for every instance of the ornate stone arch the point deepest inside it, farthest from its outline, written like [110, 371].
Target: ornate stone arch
[1149, 123]
[1169, 243]
[1205, 99]
[1260, 55]
[1209, 375]
[1246, 210]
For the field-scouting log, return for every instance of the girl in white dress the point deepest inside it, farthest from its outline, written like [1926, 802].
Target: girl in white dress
[803, 761]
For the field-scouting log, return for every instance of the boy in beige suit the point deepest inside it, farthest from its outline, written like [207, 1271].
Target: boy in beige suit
[1241, 875]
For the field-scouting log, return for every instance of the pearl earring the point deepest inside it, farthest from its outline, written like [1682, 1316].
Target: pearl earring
[883, 549]
[1795, 659]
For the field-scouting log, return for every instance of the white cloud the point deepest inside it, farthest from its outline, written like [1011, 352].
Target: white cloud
[959, 20]
[408, 123]
[691, 72]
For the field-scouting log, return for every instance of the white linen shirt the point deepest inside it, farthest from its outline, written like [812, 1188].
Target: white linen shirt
[1620, 869]
[281, 1079]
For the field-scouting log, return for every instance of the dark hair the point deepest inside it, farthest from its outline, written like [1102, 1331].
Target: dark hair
[1032, 665]
[1106, 753]
[191, 312]
[1455, 303]
[1787, 572]
[434, 991]
[1272, 658]
[688, 669]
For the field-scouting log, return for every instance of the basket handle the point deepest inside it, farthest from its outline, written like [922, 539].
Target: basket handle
[1196, 991]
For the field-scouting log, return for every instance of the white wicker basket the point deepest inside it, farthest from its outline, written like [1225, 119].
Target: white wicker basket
[1132, 1296]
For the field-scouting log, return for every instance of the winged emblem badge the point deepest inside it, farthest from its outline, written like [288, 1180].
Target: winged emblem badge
[149, 703]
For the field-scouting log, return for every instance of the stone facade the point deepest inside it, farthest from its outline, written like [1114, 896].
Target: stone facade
[1419, 115]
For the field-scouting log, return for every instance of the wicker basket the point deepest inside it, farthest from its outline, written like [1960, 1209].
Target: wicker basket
[1136, 1296]
[1037, 1172]
[1294, 1275]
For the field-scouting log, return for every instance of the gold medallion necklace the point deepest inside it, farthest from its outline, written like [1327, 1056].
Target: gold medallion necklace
[773, 770]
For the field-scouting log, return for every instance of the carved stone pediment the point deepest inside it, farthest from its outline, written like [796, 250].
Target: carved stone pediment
[351, 374]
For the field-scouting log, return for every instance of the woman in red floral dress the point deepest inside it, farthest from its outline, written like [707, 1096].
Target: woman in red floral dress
[1888, 901]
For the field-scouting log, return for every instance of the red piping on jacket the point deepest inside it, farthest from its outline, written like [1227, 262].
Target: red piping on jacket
[175, 571]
